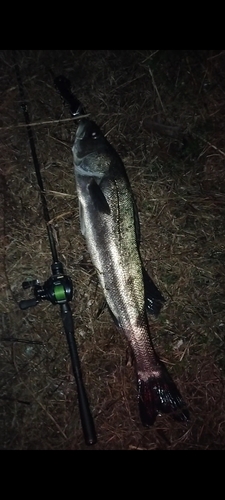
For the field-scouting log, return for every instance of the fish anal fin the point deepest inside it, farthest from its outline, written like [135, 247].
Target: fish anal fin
[116, 321]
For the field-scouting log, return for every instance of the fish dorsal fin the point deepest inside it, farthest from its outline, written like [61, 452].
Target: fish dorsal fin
[136, 222]
[153, 297]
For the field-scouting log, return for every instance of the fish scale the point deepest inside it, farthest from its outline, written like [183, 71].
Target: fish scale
[114, 258]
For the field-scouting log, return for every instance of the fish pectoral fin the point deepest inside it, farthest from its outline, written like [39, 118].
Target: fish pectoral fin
[98, 198]
[153, 297]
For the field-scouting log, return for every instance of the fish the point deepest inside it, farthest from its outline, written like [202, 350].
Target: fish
[110, 225]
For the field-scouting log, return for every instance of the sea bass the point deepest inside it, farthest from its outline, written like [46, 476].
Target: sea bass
[109, 222]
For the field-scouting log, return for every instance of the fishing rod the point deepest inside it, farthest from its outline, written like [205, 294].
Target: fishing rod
[58, 289]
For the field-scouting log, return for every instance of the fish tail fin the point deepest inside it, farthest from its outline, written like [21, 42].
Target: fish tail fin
[159, 394]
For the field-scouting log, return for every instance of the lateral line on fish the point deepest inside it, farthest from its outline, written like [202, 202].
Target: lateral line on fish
[117, 271]
[118, 206]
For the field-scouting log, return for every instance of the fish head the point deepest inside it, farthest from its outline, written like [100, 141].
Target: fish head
[87, 131]
[92, 153]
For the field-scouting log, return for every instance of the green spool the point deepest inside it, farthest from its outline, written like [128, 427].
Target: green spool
[59, 292]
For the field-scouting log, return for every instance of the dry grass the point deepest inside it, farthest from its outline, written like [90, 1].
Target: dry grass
[179, 182]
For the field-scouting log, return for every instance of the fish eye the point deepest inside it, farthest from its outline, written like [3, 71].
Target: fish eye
[94, 135]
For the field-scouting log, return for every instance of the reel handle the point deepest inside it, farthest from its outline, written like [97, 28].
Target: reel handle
[24, 304]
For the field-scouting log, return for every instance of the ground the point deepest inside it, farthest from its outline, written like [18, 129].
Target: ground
[164, 113]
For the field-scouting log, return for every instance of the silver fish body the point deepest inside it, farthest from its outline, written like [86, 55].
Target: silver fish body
[109, 223]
